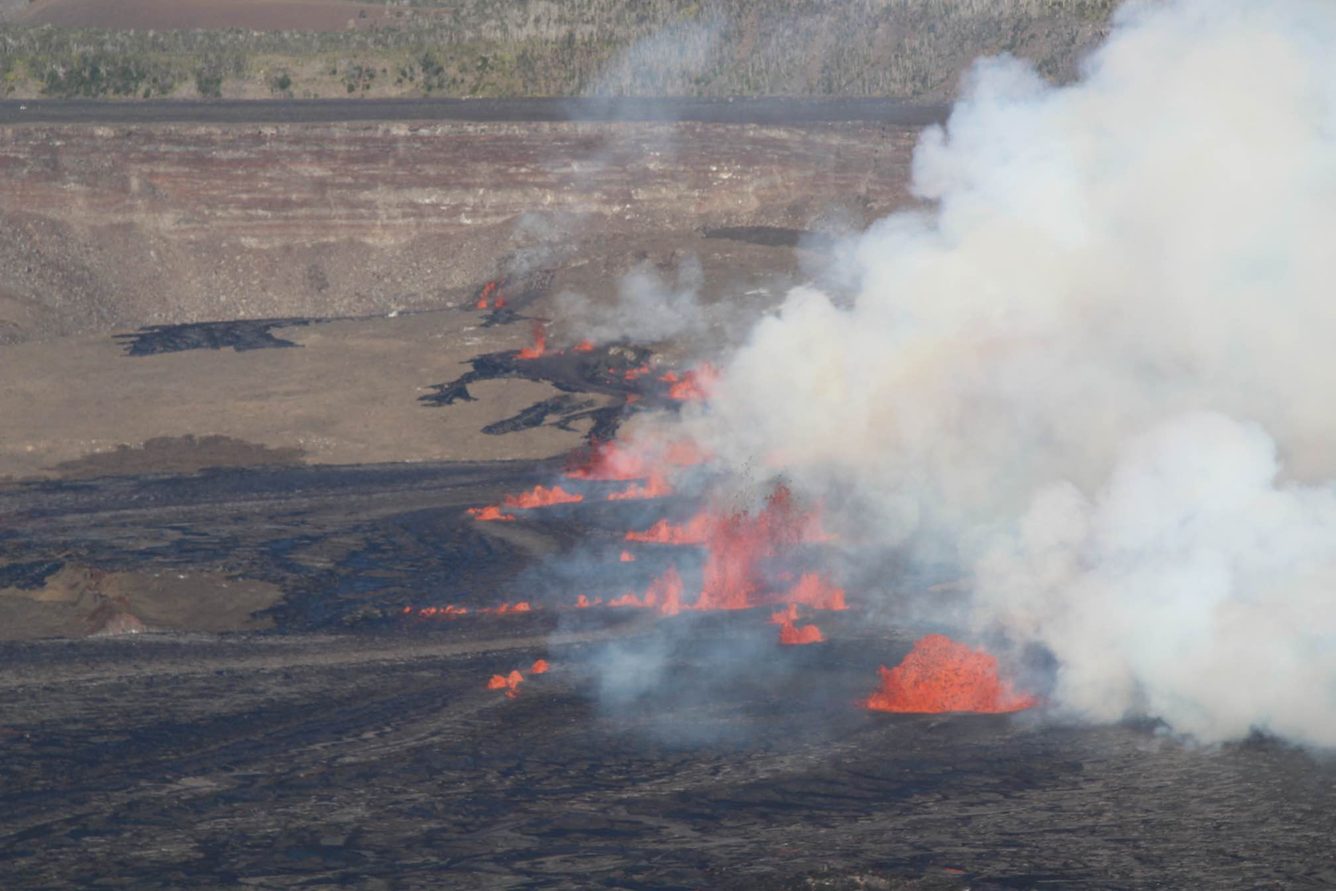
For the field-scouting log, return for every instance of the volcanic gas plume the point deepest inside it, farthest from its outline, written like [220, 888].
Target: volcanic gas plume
[1089, 376]
[1093, 373]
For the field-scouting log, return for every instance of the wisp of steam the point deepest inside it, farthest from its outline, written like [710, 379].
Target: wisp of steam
[1096, 370]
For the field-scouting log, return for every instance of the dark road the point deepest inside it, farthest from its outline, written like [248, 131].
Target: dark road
[315, 111]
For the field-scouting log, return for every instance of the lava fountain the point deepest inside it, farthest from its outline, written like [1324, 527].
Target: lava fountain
[943, 675]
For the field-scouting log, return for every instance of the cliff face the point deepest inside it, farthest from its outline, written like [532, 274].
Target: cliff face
[110, 227]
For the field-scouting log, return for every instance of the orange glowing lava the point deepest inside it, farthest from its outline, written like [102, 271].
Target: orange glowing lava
[941, 675]
[632, 373]
[449, 610]
[785, 616]
[791, 636]
[738, 544]
[510, 683]
[628, 557]
[634, 459]
[487, 291]
[663, 532]
[695, 384]
[656, 487]
[539, 343]
[490, 512]
[521, 607]
[664, 595]
[539, 667]
[583, 602]
[816, 592]
[541, 497]
[584, 346]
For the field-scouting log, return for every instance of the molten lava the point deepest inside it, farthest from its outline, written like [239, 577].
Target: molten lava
[491, 512]
[816, 592]
[664, 595]
[583, 602]
[539, 343]
[737, 546]
[628, 557]
[695, 384]
[510, 683]
[791, 636]
[656, 487]
[663, 532]
[541, 497]
[521, 607]
[634, 459]
[584, 346]
[785, 616]
[487, 291]
[941, 675]
[539, 667]
[448, 610]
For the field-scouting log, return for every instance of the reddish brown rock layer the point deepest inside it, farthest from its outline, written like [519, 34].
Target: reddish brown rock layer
[115, 226]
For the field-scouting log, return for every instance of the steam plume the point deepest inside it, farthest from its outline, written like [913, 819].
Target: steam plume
[1098, 372]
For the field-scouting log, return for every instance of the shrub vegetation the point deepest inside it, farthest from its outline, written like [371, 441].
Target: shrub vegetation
[906, 48]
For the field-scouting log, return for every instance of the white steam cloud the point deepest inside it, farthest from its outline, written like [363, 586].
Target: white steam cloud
[651, 306]
[1098, 374]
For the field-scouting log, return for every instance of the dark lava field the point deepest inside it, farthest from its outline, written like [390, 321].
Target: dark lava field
[355, 745]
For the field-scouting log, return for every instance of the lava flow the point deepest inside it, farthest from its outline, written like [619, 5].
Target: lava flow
[540, 667]
[452, 611]
[814, 591]
[540, 496]
[695, 384]
[656, 487]
[485, 295]
[738, 543]
[539, 343]
[521, 607]
[633, 460]
[664, 595]
[663, 532]
[942, 675]
[448, 610]
[793, 636]
[508, 682]
[490, 512]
